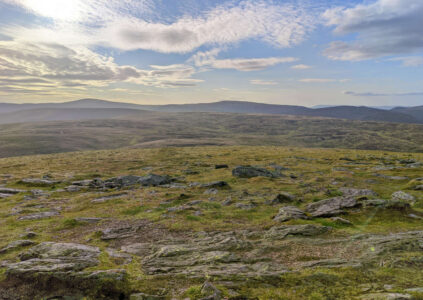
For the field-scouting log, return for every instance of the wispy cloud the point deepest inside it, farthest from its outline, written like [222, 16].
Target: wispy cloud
[263, 82]
[384, 28]
[301, 67]
[209, 59]
[322, 80]
[409, 61]
[372, 94]
[118, 24]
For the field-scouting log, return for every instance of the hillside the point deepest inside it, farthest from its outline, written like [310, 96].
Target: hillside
[154, 129]
[189, 223]
[398, 115]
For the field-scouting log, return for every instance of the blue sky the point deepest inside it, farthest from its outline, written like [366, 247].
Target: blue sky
[300, 52]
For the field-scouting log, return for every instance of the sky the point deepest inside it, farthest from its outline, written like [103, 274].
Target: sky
[303, 52]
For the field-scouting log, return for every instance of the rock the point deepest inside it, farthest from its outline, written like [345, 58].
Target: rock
[249, 205]
[38, 182]
[331, 207]
[97, 183]
[211, 192]
[83, 183]
[281, 232]
[16, 245]
[38, 216]
[73, 188]
[190, 172]
[249, 172]
[49, 258]
[341, 221]
[122, 181]
[352, 192]
[119, 232]
[139, 249]
[119, 258]
[109, 197]
[222, 166]
[228, 201]
[289, 213]
[142, 296]
[414, 216]
[374, 202]
[415, 290]
[39, 193]
[210, 291]
[419, 188]
[215, 184]
[154, 180]
[402, 196]
[386, 296]
[408, 161]
[283, 197]
[4, 196]
[28, 235]
[4, 190]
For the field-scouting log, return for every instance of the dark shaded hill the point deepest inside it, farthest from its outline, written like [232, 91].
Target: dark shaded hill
[160, 129]
[416, 112]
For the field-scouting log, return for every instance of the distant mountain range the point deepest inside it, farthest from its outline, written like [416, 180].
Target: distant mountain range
[85, 109]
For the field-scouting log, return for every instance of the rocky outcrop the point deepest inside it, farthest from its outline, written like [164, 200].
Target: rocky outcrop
[282, 197]
[38, 182]
[331, 207]
[16, 245]
[130, 180]
[40, 215]
[281, 232]
[287, 213]
[249, 172]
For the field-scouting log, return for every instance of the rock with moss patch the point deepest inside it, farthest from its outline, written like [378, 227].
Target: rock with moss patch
[331, 207]
[287, 213]
[16, 245]
[402, 196]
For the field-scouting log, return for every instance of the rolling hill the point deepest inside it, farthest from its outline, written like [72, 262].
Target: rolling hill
[398, 115]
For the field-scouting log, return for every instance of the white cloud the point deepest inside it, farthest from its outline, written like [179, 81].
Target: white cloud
[126, 25]
[409, 61]
[384, 28]
[322, 80]
[209, 59]
[43, 67]
[301, 67]
[372, 94]
[263, 82]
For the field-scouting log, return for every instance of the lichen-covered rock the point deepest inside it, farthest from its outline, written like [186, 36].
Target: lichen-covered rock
[16, 245]
[400, 195]
[249, 172]
[289, 213]
[352, 192]
[331, 207]
[281, 232]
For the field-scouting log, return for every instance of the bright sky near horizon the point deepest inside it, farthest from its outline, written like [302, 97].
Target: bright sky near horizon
[299, 52]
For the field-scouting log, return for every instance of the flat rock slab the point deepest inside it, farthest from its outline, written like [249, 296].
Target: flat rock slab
[16, 245]
[281, 232]
[39, 216]
[10, 191]
[38, 182]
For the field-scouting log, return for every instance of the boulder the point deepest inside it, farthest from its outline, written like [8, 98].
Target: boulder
[402, 196]
[249, 172]
[154, 180]
[283, 197]
[289, 213]
[331, 207]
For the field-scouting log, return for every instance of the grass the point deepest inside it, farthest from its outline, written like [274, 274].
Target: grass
[319, 173]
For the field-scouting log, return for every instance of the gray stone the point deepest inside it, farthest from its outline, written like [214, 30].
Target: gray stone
[249, 172]
[283, 197]
[289, 213]
[4, 190]
[73, 188]
[88, 220]
[341, 221]
[108, 197]
[419, 188]
[211, 192]
[215, 184]
[352, 192]
[119, 232]
[249, 205]
[400, 195]
[16, 245]
[331, 207]
[281, 232]
[40, 215]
